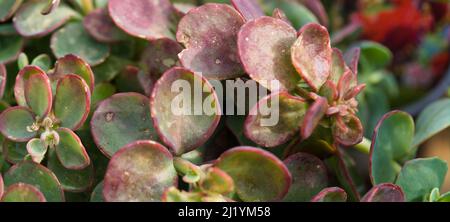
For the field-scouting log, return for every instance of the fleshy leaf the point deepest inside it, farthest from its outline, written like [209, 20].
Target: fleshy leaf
[36, 149]
[147, 19]
[11, 48]
[21, 192]
[258, 175]
[14, 122]
[14, 152]
[140, 171]
[313, 117]
[42, 61]
[100, 26]
[73, 39]
[38, 176]
[385, 192]
[72, 64]
[3, 76]
[8, 8]
[29, 21]
[331, 194]
[71, 180]
[21, 79]
[391, 142]
[279, 14]
[249, 9]
[209, 34]
[262, 127]
[101, 92]
[191, 122]
[97, 193]
[352, 58]
[311, 55]
[121, 119]
[38, 94]
[348, 130]
[72, 101]
[338, 66]
[432, 120]
[309, 176]
[70, 150]
[217, 181]
[264, 48]
[419, 176]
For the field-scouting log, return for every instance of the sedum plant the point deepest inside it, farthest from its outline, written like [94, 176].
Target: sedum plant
[99, 126]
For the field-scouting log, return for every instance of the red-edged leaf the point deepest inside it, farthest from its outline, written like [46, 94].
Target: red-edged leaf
[249, 9]
[70, 150]
[385, 192]
[3, 76]
[348, 130]
[21, 78]
[38, 94]
[72, 64]
[100, 26]
[14, 123]
[311, 55]
[352, 59]
[330, 194]
[279, 14]
[313, 116]
[21, 192]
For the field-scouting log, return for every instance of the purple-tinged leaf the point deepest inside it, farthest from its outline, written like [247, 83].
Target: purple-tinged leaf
[29, 21]
[72, 101]
[122, 119]
[36, 175]
[128, 80]
[15, 122]
[385, 192]
[309, 176]
[346, 84]
[21, 192]
[192, 122]
[70, 150]
[279, 14]
[318, 9]
[159, 56]
[313, 117]
[352, 58]
[209, 34]
[7, 10]
[249, 9]
[36, 149]
[311, 55]
[330, 194]
[38, 94]
[338, 66]
[138, 172]
[100, 26]
[3, 76]
[147, 19]
[258, 175]
[275, 119]
[21, 79]
[348, 130]
[1, 185]
[329, 91]
[264, 48]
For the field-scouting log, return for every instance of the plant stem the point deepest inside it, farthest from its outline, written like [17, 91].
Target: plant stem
[364, 146]
[87, 6]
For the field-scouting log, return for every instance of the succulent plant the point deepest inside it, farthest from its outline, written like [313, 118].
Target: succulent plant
[88, 90]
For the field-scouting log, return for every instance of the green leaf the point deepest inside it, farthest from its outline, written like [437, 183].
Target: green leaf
[444, 197]
[391, 143]
[72, 101]
[36, 149]
[331, 194]
[298, 14]
[38, 176]
[21, 192]
[72, 64]
[217, 181]
[38, 94]
[21, 79]
[14, 152]
[101, 92]
[122, 119]
[71, 151]
[109, 69]
[434, 195]
[14, 123]
[22, 61]
[420, 176]
[432, 120]
[10, 48]
[140, 171]
[97, 193]
[374, 56]
[73, 39]
[8, 8]
[258, 175]
[43, 61]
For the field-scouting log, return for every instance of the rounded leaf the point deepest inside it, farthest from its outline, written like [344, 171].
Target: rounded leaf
[8, 8]
[186, 119]
[138, 172]
[209, 34]
[70, 150]
[309, 176]
[264, 48]
[100, 26]
[97, 193]
[14, 152]
[36, 149]
[348, 130]
[72, 64]
[38, 176]
[432, 120]
[257, 174]
[73, 39]
[391, 142]
[147, 19]
[21, 79]
[14, 122]
[38, 94]
[72, 101]
[21, 192]
[122, 119]
[29, 21]
[11, 46]
[331, 194]
[275, 119]
[385, 192]
[311, 55]
[249, 9]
